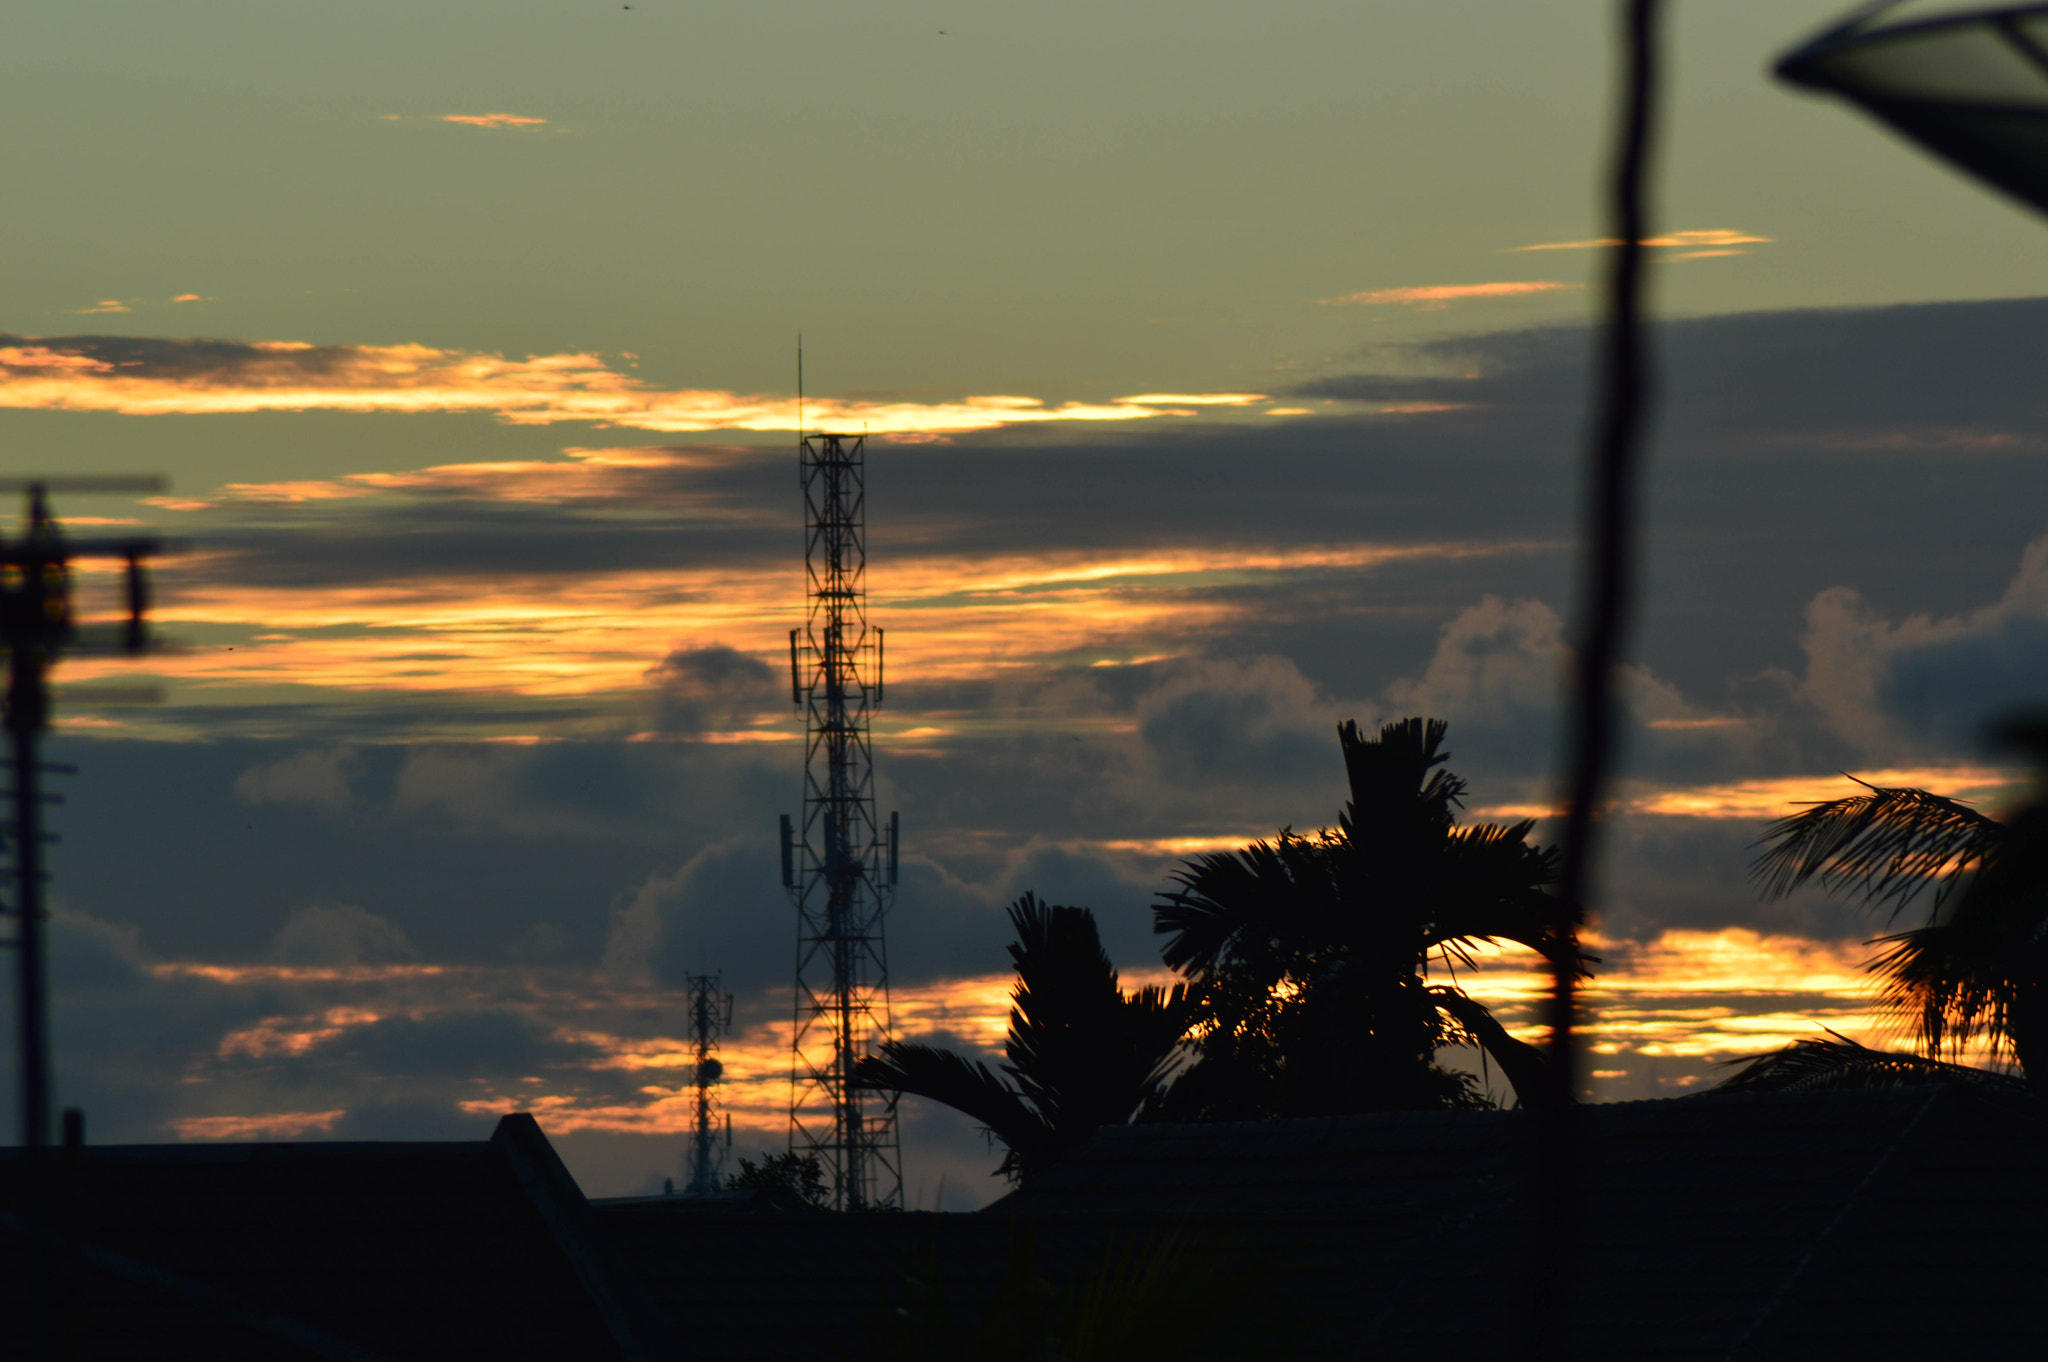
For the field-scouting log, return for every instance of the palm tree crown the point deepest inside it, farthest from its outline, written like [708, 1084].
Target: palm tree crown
[1309, 955]
[1081, 1051]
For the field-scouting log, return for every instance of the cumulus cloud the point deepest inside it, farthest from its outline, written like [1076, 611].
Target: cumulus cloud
[316, 776]
[1257, 721]
[711, 689]
[563, 791]
[142, 377]
[1927, 683]
[723, 908]
[341, 934]
[1497, 663]
[1499, 673]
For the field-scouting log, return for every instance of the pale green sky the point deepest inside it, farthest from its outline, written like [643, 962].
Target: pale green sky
[1059, 200]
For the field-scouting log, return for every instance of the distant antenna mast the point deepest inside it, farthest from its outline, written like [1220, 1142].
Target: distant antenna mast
[710, 1136]
[840, 868]
[37, 626]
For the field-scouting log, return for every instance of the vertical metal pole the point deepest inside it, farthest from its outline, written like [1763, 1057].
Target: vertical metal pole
[1614, 471]
[700, 1140]
[31, 630]
[24, 701]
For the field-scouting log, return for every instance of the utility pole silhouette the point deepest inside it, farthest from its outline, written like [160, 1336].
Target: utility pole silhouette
[710, 1139]
[840, 865]
[38, 624]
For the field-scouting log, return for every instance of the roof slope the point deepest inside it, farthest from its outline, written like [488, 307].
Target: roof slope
[444, 1250]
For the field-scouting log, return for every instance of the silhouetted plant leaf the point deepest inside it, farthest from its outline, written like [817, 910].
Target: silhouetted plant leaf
[1840, 1064]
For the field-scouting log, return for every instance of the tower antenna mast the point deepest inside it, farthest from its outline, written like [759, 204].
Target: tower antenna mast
[840, 864]
[710, 1137]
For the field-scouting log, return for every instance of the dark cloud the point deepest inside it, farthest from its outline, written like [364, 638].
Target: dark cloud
[225, 361]
[473, 1046]
[1916, 367]
[712, 688]
[1236, 725]
[410, 1118]
[123, 1038]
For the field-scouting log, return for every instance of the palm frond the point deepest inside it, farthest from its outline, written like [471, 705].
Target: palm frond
[1883, 847]
[1398, 797]
[1523, 1064]
[1952, 986]
[1840, 1064]
[967, 1086]
[1238, 906]
[1492, 885]
[1156, 1025]
[1083, 1053]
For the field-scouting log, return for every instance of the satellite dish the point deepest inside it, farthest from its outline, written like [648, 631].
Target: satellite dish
[710, 1071]
[1968, 82]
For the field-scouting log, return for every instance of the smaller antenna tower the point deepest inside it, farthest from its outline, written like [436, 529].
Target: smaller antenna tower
[711, 1132]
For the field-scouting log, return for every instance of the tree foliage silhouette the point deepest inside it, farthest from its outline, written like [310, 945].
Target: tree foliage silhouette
[1081, 1051]
[1310, 955]
[788, 1182]
[1977, 966]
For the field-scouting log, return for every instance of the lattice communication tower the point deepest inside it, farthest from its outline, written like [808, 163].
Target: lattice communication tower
[711, 1130]
[840, 866]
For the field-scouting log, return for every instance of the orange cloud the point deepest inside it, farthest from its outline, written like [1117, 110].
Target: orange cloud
[277, 1125]
[1667, 1014]
[1676, 1007]
[1433, 296]
[288, 1037]
[591, 634]
[491, 120]
[1766, 799]
[1712, 237]
[190, 378]
[1763, 800]
[1194, 399]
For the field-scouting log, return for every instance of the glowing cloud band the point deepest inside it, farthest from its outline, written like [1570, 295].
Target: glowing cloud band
[139, 377]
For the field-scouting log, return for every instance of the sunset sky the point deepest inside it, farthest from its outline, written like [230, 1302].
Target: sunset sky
[1224, 372]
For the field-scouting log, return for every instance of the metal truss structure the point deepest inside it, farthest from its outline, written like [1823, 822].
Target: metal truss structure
[39, 624]
[840, 866]
[710, 1136]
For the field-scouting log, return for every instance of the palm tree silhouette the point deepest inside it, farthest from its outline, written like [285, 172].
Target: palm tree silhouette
[1309, 955]
[1974, 969]
[1081, 1052]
